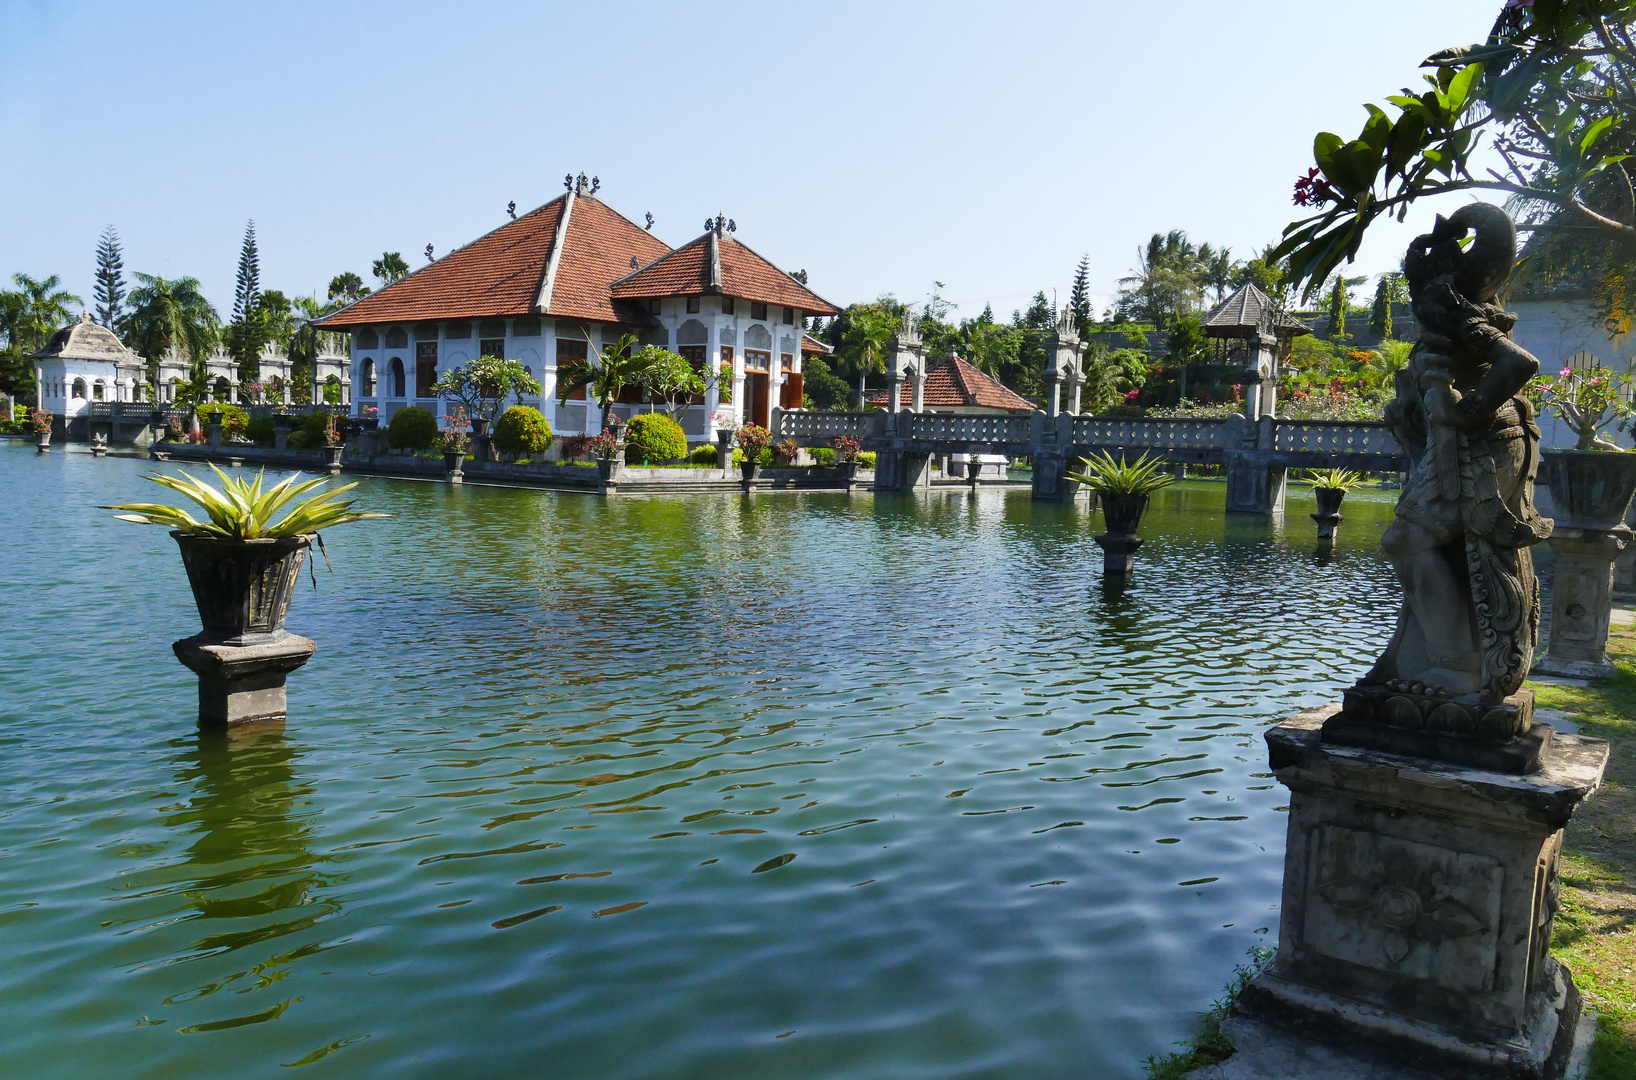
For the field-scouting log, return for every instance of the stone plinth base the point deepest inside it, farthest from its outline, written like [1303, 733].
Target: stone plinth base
[1118, 552]
[1265, 1052]
[240, 683]
[1582, 601]
[1573, 669]
[1417, 905]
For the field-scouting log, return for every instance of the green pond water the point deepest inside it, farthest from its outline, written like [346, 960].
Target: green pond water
[804, 785]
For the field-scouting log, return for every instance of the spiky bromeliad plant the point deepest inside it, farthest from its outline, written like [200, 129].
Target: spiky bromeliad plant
[1105, 476]
[1334, 479]
[244, 510]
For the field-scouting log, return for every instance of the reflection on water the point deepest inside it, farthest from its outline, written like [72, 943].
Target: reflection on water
[729, 786]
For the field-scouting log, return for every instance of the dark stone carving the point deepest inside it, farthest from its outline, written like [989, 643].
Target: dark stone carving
[1466, 633]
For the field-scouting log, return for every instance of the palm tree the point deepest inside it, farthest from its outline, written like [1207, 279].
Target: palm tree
[605, 378]
[1216, 269]
[347, 287]
[168, 313]
[45, 308]
[868, 334]
[389, 267]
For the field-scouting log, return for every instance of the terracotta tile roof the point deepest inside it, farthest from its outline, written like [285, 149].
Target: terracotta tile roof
[811, 346]
[955, 384]
[501, 273]
[744, 275]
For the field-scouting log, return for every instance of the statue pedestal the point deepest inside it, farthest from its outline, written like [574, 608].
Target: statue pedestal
[240, 683]
[1417, 906]
[1582, 602]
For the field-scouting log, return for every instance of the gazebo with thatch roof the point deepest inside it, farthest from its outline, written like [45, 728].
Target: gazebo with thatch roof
[1252, 331]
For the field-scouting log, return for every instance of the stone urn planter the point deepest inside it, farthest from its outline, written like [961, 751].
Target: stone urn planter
[1123, 513]
[454, 467]
[847, 471]
[1592, 491]
[1591, 488]
[749, 471]
[332, 459]
[243, 655]
[482, 441]
[1329, 510]
[608, 468]
[242, 588]
[42, 442]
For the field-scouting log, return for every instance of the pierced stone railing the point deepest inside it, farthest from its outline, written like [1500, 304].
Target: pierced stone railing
[967, 427]
[1179, 434]
[817, 428]
[1333, 437]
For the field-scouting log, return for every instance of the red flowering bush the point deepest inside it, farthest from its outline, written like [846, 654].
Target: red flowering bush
[753, 439]
[846, 448]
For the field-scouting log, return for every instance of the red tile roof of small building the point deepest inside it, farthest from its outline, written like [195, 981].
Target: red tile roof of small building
[745, 275]
[955, 384]
[500, 273]
[811, 346]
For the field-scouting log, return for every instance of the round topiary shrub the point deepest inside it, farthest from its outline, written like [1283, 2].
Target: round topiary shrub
[705, 455]
[522, 430]
[411, 429]
[654, 437]
[260, 431]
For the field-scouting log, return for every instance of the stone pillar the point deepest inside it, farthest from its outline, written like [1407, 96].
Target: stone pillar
[917, 380]
[1053, 392]
[1417, 906]
[240, 683]
[215, 429]
[894, 390]
[916, 472]
[1582, 601]
[724, 453]
[281, 432]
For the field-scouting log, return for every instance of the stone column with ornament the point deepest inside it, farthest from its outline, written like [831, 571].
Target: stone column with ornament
[1427, 809]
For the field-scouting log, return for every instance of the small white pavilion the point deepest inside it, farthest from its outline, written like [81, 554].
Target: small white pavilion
[85, 362]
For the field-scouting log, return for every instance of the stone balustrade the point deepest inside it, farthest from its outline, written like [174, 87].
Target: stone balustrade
[1177, 434]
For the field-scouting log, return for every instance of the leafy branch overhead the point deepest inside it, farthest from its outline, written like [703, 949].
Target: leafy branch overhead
[1551, 91]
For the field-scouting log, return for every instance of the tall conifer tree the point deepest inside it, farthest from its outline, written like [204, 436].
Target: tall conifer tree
[243, 336]
[109, 290]
[1079, 298]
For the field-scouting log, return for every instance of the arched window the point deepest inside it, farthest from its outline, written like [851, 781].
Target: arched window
[221, 391]
[79, 388]
[758, 337]
[395, 377]
[692, 332]
[98, 391]
[396, 338]
[369, 378]
[332, 390]
[368, 339]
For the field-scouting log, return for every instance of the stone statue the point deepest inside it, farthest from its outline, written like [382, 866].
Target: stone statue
[1466, 632]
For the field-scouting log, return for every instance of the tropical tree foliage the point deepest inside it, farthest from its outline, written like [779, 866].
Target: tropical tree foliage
[389, 267]
[109, 290]
[171, 312]
[1552, 90]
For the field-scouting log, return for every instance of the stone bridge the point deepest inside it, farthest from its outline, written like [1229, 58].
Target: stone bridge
[1258, 454]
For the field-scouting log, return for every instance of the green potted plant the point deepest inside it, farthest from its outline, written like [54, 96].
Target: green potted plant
[1330, 486]
[332, 445]
[608, 447]
[846, 456]
[453, 442]
[243, 558]
[1124, 489]
[1591, 485]
[752, 439]
[40, 421]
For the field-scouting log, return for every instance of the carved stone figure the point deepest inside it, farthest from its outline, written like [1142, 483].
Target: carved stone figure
[1470, 618]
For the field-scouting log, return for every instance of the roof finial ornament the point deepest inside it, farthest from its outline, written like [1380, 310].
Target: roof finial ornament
[719, 224]
[428, 252]
[511, 208]
[596, 184]
[732, 226]
[568, 182]
[650, 221]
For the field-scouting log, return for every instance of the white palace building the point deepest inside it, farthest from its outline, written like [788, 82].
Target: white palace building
[555, 285]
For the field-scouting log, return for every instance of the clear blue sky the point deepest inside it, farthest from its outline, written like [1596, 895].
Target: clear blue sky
[880, 146]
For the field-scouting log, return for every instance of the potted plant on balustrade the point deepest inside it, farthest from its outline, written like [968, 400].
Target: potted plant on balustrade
[242, 561]
[453, 442]
[1591, 485]
[752, 439]
[608, 447]
[846, 456]
[1330, 486]
[40, 421]
[1123, 489]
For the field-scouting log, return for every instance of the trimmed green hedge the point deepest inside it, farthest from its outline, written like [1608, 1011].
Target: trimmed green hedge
[654, 438]
[412, 428]
[705, 455]
[522, 430]
[260, 430]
